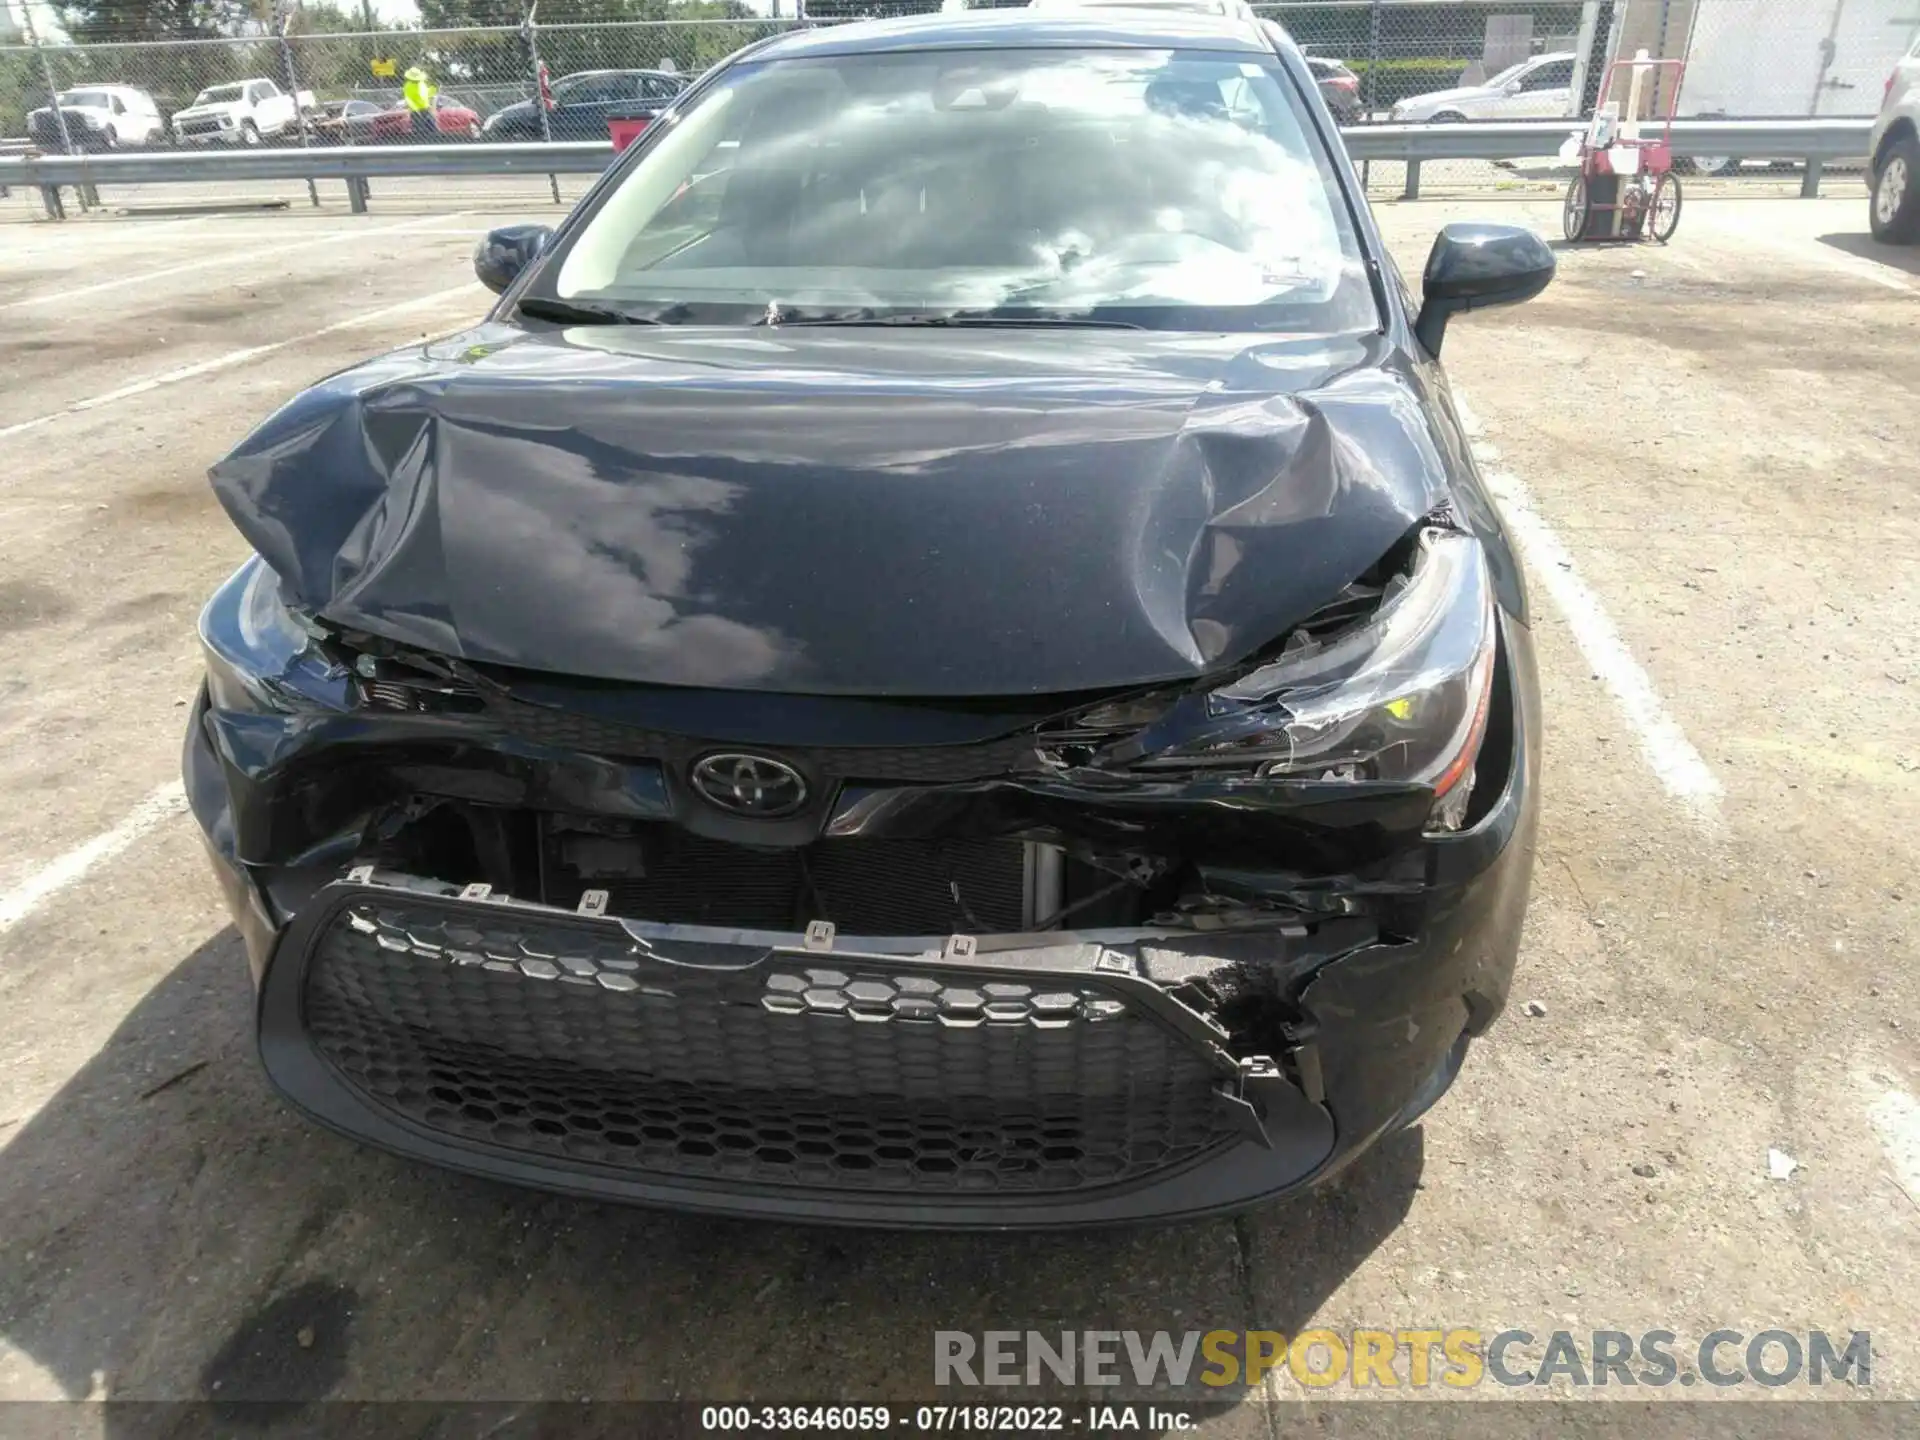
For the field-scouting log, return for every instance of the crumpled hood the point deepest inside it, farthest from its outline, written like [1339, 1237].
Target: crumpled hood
[917, 512]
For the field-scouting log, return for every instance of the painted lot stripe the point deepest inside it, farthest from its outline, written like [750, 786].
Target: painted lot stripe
[1671, 756]
[1811, 251]
[234, 357]
[1896, 1120]
[208, 262]
[151, 813]
[114, 232]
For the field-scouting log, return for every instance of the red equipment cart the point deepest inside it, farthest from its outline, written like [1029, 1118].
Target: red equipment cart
[1626, 188]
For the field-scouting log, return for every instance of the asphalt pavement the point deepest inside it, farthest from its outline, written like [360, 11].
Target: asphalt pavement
[1699, 1113]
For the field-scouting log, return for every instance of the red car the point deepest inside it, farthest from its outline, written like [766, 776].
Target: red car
[451, 121]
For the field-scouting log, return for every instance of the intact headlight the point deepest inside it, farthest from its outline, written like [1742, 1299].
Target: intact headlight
[1401, 698]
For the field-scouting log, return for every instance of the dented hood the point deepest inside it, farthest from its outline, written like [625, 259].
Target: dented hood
[918, 512]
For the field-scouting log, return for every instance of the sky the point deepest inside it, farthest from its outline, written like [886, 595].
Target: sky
[45, 21]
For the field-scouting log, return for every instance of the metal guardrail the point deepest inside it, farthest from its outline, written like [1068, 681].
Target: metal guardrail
[1523, 139]
[1812, 141]
[354, 164]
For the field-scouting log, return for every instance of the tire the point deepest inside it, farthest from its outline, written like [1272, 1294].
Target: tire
[1663, 218]
[1573, 210]
[1448, 117]
[1713, 165]
[249, 133]
[1893, 210]
[473, 130]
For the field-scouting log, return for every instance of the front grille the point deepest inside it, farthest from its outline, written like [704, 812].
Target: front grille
[926, 764]
[576, 730]
[199, 127]
[865, 887]
[878, 1076]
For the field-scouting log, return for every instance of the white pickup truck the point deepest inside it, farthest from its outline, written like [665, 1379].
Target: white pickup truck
[247, 112]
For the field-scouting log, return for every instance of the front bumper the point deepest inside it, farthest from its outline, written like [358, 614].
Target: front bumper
[219, 135]
[1315, 987]
[876, 1083]
[1008, 1081]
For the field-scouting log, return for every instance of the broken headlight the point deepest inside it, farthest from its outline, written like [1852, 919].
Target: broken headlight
[1400, 698]
[263, 656]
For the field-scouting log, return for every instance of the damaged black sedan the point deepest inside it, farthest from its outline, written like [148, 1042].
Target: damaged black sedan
[939, 659]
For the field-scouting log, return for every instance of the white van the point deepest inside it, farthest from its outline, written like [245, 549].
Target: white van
[1813, 57]
[99, 117]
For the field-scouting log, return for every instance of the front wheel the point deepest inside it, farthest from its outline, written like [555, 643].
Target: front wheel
[1573, 213]
[473, 130]
[1894, 210]
[1720, 166]
[1666, 207]
[249, 133]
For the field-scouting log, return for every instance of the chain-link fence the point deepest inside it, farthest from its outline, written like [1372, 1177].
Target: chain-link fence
[343, 83]
[1375, 60]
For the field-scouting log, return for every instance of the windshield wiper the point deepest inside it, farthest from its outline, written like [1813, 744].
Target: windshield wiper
[569, 312]
[781, 317]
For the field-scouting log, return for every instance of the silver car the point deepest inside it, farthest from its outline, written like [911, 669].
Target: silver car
[1893, 174]
[1536, 87]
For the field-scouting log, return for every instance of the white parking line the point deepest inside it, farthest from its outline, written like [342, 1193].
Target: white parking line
[1896, 1119]
[1809, 250]
[232, 358]
[158, 808]
[226, 258]
[1671, 756]
[132, 234]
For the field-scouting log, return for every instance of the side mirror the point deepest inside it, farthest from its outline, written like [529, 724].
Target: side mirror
[1473, 265]
[504, 253]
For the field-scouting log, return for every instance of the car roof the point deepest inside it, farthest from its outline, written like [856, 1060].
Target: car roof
[1198, 7]
[1107, 26]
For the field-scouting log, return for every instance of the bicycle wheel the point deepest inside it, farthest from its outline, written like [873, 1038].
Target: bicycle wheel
[1666, 207]
[1573, 213]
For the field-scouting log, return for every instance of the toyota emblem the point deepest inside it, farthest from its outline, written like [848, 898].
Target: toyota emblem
[750, 785]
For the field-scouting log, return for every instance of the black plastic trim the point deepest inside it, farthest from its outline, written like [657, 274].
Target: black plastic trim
[1299, 1135]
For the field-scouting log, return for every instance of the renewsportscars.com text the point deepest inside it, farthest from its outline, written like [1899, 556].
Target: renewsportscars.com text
[1456, 1357]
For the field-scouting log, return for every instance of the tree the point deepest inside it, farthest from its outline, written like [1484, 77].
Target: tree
[318, 17]
[21, 89]
[103, 20]
[456, 14]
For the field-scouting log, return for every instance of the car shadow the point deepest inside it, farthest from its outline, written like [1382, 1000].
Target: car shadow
[1894, 257]
[174, 1232]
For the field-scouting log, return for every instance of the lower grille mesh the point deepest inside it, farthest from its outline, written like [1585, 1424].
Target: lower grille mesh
[547, 1038]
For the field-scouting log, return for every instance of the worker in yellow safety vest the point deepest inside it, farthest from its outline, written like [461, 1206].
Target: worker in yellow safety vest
[419, 92]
